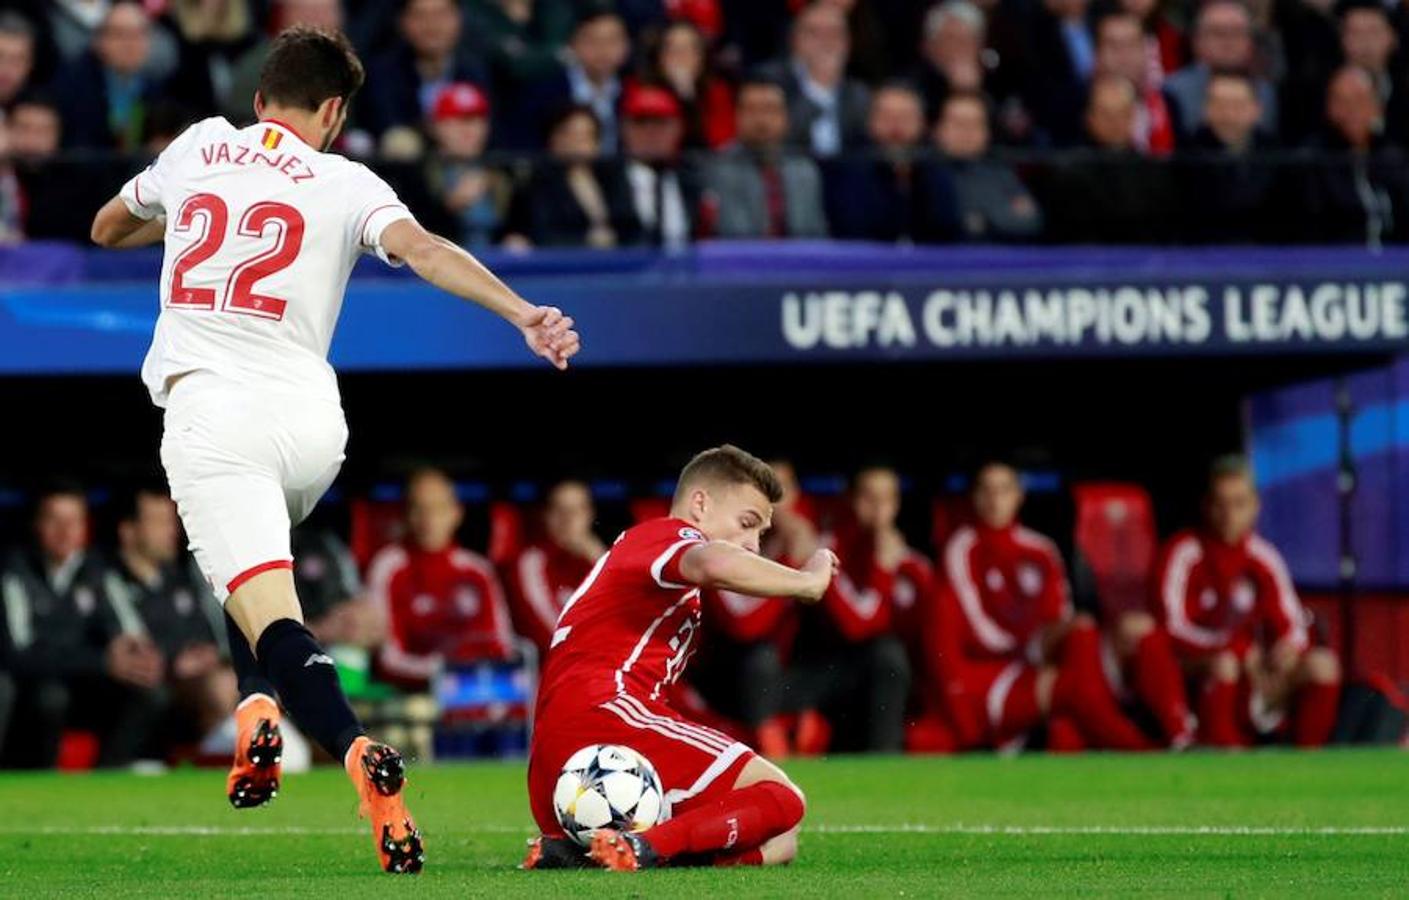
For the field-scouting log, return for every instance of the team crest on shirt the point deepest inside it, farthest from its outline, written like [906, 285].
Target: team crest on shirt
[1029, 579]
[1244, 596]
[691, 534]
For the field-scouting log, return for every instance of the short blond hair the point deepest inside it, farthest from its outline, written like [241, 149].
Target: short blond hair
[730, 465]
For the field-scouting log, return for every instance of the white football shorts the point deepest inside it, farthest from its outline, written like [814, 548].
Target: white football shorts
[245, 465]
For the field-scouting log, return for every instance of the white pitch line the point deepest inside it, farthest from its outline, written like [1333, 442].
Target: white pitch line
[821, 830]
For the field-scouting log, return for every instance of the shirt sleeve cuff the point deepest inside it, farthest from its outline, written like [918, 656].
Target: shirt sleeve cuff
[377, 222]
[132, 195]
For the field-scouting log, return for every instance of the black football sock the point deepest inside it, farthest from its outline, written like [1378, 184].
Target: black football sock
[307, 681]
[247, 674]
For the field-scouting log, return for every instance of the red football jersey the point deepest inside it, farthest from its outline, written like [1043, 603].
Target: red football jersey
[1009, 583]
[630, 628]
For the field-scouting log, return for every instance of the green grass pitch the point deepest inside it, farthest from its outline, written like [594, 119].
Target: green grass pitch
[1256, 824]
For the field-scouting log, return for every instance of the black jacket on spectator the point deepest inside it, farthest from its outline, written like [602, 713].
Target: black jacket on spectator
[176, 611]
[1355, 198]
[871, 198]
[547, 212]
[391, 95]
[1103, 197]
[325, 574]
[853, 102]
[1233, 198]
[60, 195]
[82, 92]
[1055, 91]
[521, 121]
[57, 631]
[993, 203]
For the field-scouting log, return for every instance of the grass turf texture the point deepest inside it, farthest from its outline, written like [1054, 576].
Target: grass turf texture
[1259, 824]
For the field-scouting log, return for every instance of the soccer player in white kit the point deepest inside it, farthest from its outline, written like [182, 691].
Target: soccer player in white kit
[261, 228]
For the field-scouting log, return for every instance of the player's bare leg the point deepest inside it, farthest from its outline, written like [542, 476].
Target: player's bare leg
[754, 824]
[266, 610]
[1305, 684]
[1147, 654]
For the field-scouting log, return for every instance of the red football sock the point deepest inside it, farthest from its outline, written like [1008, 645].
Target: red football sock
[740, 820]
[1218, 715]
[1082, 693]
[751, 857]
[1159, 683]
[1315, 714]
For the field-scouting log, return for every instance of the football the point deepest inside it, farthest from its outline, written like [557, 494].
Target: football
[607, 785]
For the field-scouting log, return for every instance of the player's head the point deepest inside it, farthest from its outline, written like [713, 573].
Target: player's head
[433, 511]
[997, 493]
[61, 520]
[728, 494]
[310, 74]
[1231, 505]
[568, 512]
[875, 497]
[148, 527]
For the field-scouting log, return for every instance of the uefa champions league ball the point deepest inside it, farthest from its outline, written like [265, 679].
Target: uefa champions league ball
[607, 786]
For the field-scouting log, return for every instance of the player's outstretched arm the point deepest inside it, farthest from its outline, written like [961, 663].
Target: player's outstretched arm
[719, 565]
[546, 330]
[115, 226]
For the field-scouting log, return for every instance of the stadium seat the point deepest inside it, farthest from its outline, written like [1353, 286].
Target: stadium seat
[375, 523]
[508, 531]
[948, 513]
[1115, 542]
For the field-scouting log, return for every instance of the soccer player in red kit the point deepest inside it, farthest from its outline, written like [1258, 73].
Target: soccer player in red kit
[544, 574]
[626, 636]
[1225, 596]
[1007, 648]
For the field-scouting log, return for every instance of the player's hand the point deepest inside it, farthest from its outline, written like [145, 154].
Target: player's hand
[549, 334]
[822, 568]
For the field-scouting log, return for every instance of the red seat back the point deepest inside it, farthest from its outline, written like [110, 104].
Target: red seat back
[375, 523]
[1115, 535]
[948, 513]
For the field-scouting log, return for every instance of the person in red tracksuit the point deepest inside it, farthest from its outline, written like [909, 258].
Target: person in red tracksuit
[740, 671]
[1007, 651]
[543, 575]
[443, 604]
[1227, 600]
[850, 663]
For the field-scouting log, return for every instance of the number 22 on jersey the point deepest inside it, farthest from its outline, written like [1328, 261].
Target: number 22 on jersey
[209, 217]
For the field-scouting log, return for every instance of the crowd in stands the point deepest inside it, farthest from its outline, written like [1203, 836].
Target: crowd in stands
[591, 123]
[976, 644]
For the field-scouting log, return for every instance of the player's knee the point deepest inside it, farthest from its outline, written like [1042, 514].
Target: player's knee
[1321, 666]
[782, 849]
[1223, 667]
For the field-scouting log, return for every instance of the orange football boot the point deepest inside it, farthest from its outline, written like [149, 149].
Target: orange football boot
[259, 748]
[379, 773]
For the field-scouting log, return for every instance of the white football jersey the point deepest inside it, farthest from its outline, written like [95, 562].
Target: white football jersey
[262, 232]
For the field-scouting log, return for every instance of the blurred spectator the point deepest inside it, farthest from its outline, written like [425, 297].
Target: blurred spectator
[545, 573]
[35, 129]
[1369, 41]
[1361, 193]
[740, 670]
[237, 101]
[442, 603]
[754, 188]
[16, 56]
[952, 53]
[106, 94]
[521, 39]
[993, 204]
[335, 606]
[871, 57]
[11, 196]
[57, 193]
[1006, 648]
[576, 198]
[1239, 627]
[664, 188]
[1061, 60]
[679, 62]
[1231, 194]
[851, 666]
[1223, 41]
[589, 76]
[160, 588]
[475, 196]
[404, 80]
[826, 109]
[1112, 194]
[73, 663]
[74, 26]
[1121, 50]
[887, 194]
[1164, 41]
